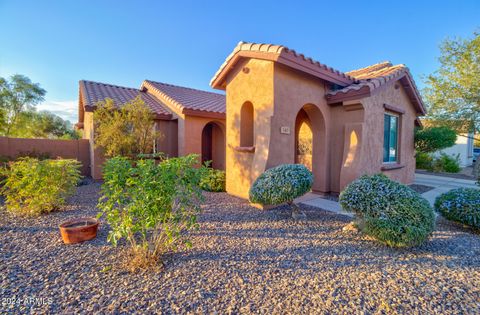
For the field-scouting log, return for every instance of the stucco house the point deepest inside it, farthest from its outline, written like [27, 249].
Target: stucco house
[281, 107]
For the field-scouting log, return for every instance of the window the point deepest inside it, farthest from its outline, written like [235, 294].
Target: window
[246, 125]
[390, 139]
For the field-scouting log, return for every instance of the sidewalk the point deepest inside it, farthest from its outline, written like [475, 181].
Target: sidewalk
[439, 183]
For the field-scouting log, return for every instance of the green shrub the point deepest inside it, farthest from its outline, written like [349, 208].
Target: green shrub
[390, 212]
[150, 204]
[460, 205]
[33, 187]
[424, 161]
[282, 184]
[213, 180]
[431, 139]
[446, 163]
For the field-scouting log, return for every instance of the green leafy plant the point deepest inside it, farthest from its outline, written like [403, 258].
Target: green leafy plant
[460, 205]
[424, 161]
[282, 184]
[33, 187]
[151, 205]
[431, 139]
[388, 211]
[446, 163]
[213, 180]
[124, 129]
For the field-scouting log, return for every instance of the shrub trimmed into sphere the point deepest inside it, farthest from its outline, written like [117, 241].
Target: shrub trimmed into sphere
[460, 205]
[390, 212]
[281, 184]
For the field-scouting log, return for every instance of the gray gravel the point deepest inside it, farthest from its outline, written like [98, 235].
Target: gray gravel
[244, 260]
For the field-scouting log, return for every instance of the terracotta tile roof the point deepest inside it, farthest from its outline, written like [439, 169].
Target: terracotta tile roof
[280, 54]
[93, 92]
[187, 100]
[372, 77]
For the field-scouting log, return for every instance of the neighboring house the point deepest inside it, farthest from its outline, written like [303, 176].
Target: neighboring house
[191, 121]
[463, 148]
[361, 122]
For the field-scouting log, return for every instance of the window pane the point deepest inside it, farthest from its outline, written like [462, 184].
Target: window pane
[393, 139]
[386, 137]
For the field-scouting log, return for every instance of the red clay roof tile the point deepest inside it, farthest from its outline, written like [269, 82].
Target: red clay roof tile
[281, 54]
[188, 98]
[374, 76]
[93, 92]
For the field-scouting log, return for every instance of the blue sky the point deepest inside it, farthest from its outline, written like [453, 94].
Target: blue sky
[57, 43]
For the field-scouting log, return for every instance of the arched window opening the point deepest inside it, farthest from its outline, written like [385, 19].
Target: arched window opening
[246, 125]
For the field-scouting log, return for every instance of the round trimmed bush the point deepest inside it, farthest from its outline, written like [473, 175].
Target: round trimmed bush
[388, 211]
[460, 205]
[281, 184]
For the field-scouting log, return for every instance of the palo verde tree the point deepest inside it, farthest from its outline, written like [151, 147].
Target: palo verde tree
[17, 95]
[126, 130]
[453, 91]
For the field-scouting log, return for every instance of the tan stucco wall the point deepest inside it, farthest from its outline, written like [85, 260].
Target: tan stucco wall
[167, 141]
[255, 85]
[96, 155]
[393, 95]
[348, 137]
[190, 137]
[54, 148]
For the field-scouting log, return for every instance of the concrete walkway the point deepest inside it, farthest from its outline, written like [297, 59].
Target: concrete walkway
[314, 200]
[441, 184]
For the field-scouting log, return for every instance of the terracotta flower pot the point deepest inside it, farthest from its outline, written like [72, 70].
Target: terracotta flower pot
[79, 230]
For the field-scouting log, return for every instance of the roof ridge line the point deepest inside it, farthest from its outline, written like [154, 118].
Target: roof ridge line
[183, 87]
[177, 104]
[371, 66]
[108, 84]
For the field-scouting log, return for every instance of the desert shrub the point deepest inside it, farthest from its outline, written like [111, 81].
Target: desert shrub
[281, 184]
[150, 204]
[33, 187]
[446, 163]
[213, 180]
[460, 205]
[388, 211]
[424, 161]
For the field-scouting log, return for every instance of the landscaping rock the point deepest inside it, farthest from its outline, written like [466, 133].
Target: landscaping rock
[243, 260]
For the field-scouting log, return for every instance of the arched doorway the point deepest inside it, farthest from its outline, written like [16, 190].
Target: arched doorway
[213, 145]
[310, 145]
[303, 140]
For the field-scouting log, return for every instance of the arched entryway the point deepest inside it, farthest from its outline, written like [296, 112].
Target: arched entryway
[303, 140]
[213, 145]
[310, 144]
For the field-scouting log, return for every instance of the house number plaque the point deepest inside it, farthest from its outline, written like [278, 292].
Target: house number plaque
[285, 130]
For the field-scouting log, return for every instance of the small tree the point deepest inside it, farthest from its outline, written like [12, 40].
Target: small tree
[125, 131]
[151, 205]
[431, 139]
[17, 96]
[453, 91]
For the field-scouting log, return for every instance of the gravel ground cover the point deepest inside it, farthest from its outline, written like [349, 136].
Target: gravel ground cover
[243, 261]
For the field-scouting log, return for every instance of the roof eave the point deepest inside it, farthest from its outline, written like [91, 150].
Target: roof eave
[203, 113]
[285, 57]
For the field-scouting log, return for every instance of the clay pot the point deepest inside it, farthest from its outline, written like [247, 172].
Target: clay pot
[79, 230]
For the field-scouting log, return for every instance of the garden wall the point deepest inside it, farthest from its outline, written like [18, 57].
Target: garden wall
[67, 149]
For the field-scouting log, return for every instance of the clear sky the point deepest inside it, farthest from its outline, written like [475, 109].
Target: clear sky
[58, 43]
